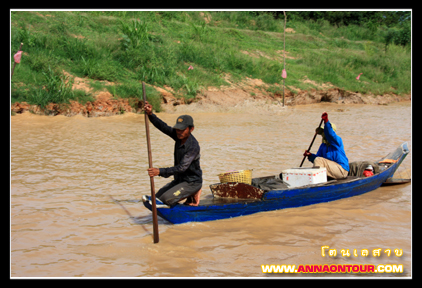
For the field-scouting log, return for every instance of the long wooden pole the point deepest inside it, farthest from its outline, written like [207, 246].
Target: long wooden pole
[154, 207]
[310, 146]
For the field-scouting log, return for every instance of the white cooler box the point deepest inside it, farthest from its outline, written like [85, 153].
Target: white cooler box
[304, 176]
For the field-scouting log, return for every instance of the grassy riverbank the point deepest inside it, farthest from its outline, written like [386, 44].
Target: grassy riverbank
[115, 51]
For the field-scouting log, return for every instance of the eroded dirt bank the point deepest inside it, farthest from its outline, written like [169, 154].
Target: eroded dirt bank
[250, 90]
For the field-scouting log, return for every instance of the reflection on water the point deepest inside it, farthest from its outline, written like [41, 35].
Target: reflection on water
[64, 170]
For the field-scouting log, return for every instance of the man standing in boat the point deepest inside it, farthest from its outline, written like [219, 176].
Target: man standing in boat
[331, 154]
[187, 172]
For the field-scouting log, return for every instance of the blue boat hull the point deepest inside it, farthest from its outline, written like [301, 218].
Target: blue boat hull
[216, 209]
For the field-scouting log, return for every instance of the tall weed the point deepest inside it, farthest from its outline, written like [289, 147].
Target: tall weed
[98, 69]
[133, 34]
[267, 22]
[199, 32]
[56, 88]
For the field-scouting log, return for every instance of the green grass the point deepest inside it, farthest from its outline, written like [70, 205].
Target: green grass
[157, 47]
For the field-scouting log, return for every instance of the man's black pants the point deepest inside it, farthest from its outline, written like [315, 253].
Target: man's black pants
[174, 191]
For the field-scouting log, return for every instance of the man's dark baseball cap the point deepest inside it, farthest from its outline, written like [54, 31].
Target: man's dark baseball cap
[183, 122]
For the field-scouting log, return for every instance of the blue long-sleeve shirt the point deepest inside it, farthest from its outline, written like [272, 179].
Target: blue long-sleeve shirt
[335, 151]
[186, 157]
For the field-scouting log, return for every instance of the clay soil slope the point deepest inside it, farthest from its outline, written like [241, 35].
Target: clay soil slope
[224, 96]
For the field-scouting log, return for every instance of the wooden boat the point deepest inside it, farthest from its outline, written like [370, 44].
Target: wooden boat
[238, 199]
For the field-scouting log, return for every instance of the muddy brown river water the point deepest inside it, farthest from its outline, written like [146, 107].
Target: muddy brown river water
[64, 224]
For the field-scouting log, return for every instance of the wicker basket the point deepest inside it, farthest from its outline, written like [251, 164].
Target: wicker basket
[239, 176]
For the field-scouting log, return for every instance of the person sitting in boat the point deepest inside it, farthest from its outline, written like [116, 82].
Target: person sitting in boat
[331, 154]
[187, 171]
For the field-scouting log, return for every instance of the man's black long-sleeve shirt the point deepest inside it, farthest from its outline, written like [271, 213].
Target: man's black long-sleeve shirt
[186, 157]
